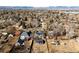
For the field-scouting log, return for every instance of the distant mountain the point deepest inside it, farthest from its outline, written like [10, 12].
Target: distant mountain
[15, 7]
[64, 7]
[39, 8]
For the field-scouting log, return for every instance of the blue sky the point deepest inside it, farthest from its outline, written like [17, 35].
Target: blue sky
[39, 3]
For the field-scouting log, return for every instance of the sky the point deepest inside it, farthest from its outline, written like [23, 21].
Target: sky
[39, 3]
